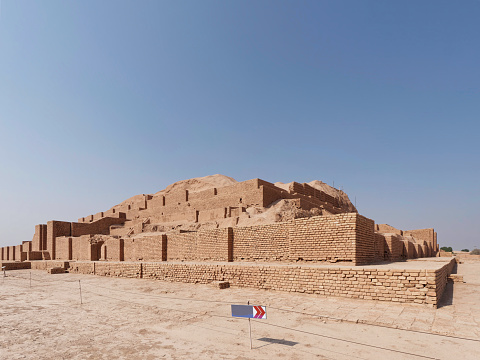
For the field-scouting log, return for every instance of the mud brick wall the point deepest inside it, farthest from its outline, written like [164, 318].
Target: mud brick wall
[82, 267]
[364, 241]
[187, 273]
[441, 277]
[2, 251]
[48, 264]
[34, 255]
[419, 250]
[264, 242]
[11, 253]
[385, 228]
[307, 190]
[409, 286]
[19, 254]
[39, 240]
[98, 216]
[249, 191]
[408, 250]
[443, 253]
[296, 188]
[347, 237]
[112, 250]
[54, 229]
[26, 246]
[179, 204]
[100, 226]
[118, 269]
[181, 246]
[394, 247]
[63, 248]
[323, 238]
[211, 214]
[380, 244]
[272, 193]
[148, 248]
[82, 248]
[213, 245]
[15, 265]
[427, 235]
[426, 249]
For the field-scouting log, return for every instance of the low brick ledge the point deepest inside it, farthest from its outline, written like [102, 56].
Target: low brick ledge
[383, 282]
[15, 265]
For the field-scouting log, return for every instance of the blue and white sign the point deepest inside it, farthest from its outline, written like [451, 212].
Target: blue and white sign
[249, 311]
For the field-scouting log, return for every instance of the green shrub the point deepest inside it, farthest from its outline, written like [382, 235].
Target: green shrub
[446, 248]
[465, 250]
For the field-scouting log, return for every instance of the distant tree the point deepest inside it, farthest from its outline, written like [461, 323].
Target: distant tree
[446, 248]
[475, 252]
[466, 250]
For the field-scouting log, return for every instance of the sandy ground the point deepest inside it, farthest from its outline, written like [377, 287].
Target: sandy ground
[147, 319]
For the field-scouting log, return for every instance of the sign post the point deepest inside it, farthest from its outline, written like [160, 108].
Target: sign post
[249, 311]
[250, 329]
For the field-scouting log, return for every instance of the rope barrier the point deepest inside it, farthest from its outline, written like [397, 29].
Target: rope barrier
[269, 324]
[225, 302]
[298, 312]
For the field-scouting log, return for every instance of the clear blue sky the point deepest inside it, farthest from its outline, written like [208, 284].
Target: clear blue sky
[102, 100]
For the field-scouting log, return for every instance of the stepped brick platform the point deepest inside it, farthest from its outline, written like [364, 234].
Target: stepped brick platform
[15, 265]
[417, 281]
[290, 237]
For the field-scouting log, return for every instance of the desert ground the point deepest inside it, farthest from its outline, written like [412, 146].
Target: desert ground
[43, 316]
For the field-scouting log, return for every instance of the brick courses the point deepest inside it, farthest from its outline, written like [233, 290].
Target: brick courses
[123, 238]
[397, 285]
[15, 265]
[48, 264]
[261, 243]
[146, 248]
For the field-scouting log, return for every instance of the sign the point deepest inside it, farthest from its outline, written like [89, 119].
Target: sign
[249, 311]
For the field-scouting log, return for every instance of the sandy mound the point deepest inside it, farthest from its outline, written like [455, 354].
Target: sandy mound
[200, 184]
[131, 201]
[339, 194]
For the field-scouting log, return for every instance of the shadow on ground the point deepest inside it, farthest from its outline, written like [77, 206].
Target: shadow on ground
[277, 341]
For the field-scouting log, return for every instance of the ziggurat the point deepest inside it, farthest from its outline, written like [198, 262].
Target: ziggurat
[216, 229]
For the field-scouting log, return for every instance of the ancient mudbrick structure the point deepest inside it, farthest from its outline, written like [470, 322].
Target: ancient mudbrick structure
[251, 223]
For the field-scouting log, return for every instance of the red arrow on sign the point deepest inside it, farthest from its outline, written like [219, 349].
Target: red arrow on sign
[260, 312]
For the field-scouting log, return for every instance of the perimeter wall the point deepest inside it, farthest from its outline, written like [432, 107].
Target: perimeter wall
[408, 286]
[343, 237]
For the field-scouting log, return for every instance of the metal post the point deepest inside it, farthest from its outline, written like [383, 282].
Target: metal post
[250, 329]
[80, 287]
